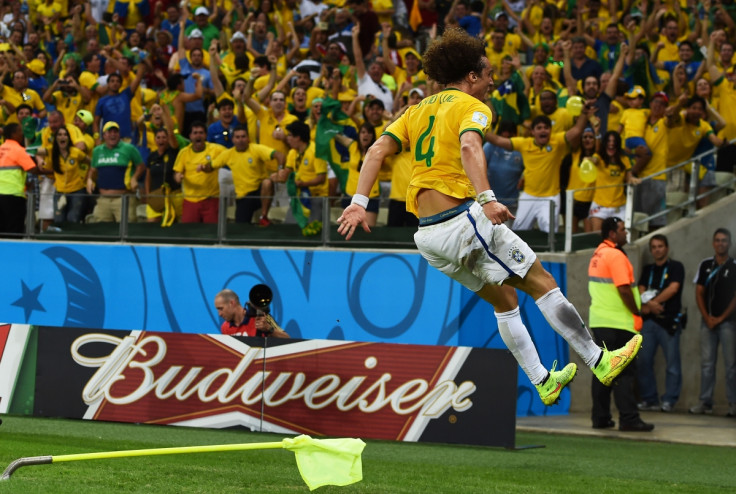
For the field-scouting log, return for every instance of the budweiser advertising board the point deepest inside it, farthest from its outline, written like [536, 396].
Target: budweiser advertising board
[318, 387]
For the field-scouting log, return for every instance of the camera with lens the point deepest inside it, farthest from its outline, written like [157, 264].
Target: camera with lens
[258, 305]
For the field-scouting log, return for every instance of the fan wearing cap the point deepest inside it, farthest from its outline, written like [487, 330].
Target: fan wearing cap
[187, 43]
[237, 61]
[202, 22]
[36, 72]
[193, 68]
[116, 167]
[83, 120]
[12, 96]
[633, 124]
[512, 41]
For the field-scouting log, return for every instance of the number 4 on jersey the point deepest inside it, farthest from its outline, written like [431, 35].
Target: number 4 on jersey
[419, 155]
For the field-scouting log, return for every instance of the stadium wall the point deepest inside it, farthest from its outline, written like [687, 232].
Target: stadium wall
[391, 297]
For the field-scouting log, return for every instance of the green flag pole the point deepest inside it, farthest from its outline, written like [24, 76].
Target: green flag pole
[320, 462]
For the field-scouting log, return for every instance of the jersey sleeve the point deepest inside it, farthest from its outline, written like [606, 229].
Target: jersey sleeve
[221, 160]
[478, 118]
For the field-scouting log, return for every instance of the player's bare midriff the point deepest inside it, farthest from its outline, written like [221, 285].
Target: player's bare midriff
[431, 202]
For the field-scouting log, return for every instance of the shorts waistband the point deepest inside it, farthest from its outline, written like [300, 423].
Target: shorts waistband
[445, 215]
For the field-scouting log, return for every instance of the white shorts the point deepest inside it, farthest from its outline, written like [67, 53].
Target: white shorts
[598, 211]
[533, 208]
[46, 199]
[473, 251]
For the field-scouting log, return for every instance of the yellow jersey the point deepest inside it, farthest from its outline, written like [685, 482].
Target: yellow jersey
[684, 138]
[724, 99]
[198, 185]
[657, 138]
[248, 167]
[542, 164]
[73, 171]
[431, 130]
[634, 122]
[575, 182]
[354, 166]
[269, 123]
[611, 197]
[401, 174]
[307, 166]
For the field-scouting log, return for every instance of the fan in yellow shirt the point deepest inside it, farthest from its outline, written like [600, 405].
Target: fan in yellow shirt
[253, 186]
[542, 154]
[201, 189]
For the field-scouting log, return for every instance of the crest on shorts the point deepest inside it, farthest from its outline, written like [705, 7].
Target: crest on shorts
[516, 254]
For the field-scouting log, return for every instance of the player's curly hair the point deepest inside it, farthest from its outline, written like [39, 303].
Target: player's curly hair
[453, 56]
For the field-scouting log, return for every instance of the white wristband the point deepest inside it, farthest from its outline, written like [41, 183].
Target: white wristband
[360, 200]
[485, 197]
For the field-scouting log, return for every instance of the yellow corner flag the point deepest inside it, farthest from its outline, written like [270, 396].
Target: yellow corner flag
[327, 461]
[415, 17]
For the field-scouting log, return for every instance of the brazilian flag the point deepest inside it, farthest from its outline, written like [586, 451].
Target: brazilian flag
[509, 100]
[333, 121]
[299, 208]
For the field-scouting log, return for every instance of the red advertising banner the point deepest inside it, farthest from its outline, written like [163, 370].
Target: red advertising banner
[317, 387]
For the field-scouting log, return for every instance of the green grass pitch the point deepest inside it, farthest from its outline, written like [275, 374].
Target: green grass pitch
[565, 465]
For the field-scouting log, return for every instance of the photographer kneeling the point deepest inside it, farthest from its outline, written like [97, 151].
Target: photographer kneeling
[240, 321]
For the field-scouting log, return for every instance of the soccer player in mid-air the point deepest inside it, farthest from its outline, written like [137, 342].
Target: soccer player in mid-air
[461, 225]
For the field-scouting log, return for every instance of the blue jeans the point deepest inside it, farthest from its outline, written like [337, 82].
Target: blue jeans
[75, 209]
[656, 336]
[725, 333]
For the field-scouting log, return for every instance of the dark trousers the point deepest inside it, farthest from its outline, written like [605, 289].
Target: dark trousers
[12, 216]
[246, 206]
[624, 390]
[399, 216]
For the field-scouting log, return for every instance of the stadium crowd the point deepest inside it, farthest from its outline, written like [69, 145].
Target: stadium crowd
[175, 104]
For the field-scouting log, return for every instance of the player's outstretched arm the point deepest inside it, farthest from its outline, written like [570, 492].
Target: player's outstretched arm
[354, 214]
[474, 164]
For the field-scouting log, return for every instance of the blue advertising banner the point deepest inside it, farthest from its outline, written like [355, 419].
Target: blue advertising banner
[317, 294]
